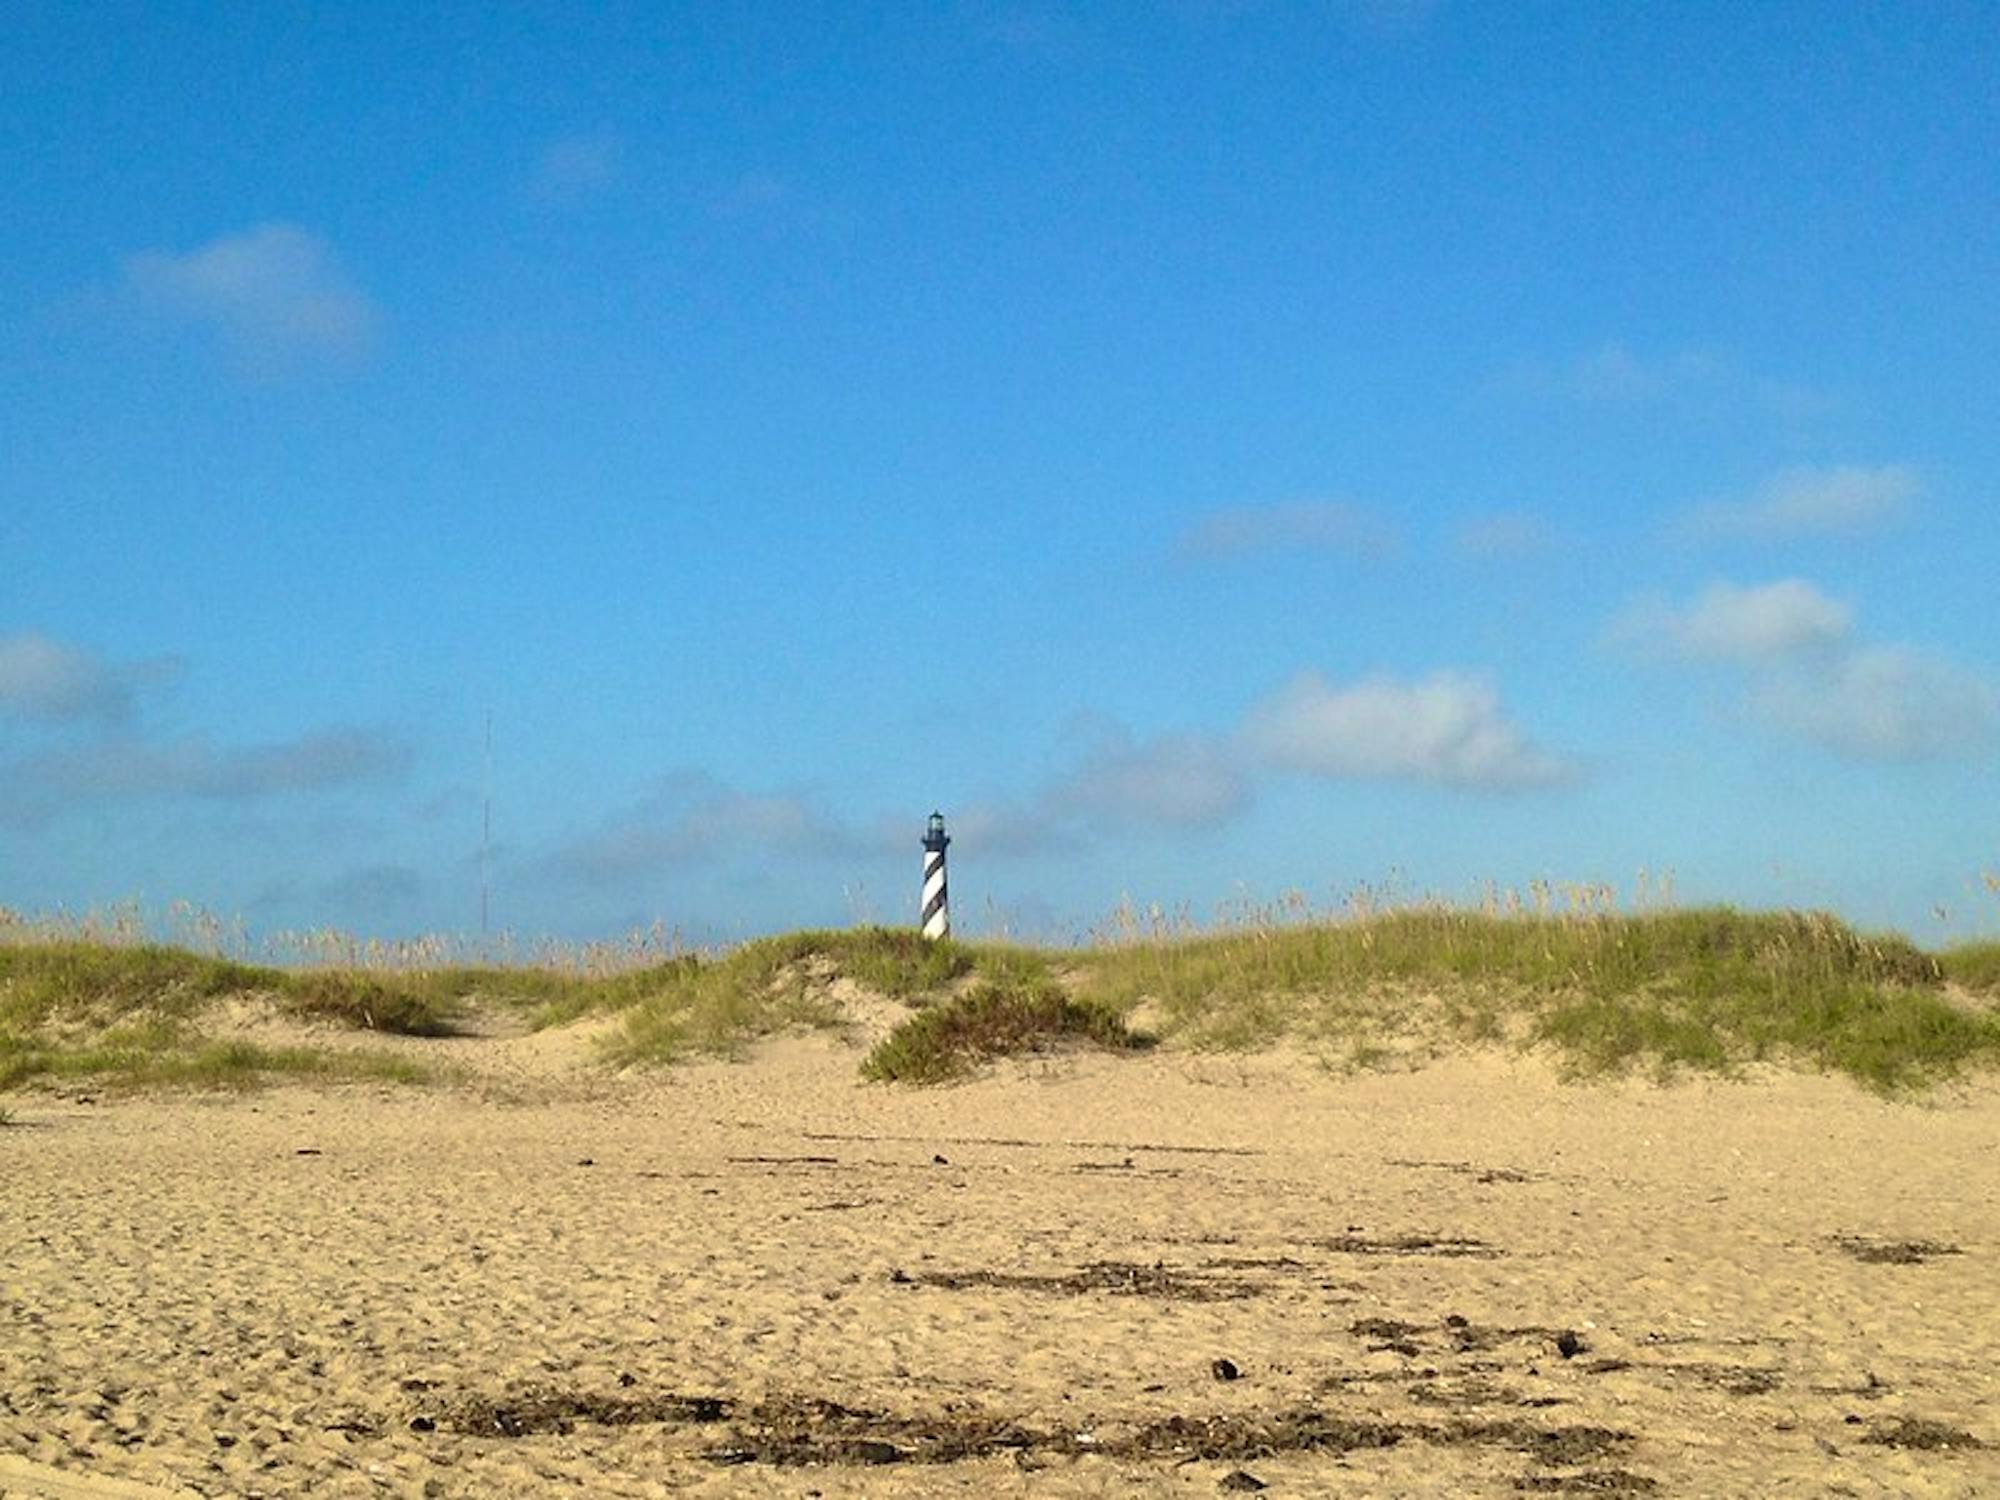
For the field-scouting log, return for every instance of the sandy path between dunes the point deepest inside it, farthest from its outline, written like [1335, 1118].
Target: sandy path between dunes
[364, 1292]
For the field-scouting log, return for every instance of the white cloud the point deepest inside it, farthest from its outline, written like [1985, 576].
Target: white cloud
[1730, 623]
[1176, 781]
[575, 166]
[324, 758]
[1882, 703]
[1173, 782]
[1292, 526]
[273, 294]
[57, 683]
[1447, 729]
[1842, 500]
[1010, 829]
[1801, 673]
[40, 786]
[692, 818]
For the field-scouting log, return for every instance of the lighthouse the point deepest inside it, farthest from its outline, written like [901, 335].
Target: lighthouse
[937, 905]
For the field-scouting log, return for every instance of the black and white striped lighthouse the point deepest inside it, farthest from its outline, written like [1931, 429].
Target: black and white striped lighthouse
[937, 905]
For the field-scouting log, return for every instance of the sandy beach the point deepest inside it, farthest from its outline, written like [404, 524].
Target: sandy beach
[1172, 1274]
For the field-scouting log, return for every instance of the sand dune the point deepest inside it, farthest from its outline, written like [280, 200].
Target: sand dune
[766, 1278]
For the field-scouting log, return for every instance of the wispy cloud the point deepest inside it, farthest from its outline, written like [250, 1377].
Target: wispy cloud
[380, 892]
[323, 758]
[392, 897]
[1614, 375]
[49, 783]
[1729, 622]
[1798, 671]
[57, 683]
[1448, 729]
[1842, 500]
[99, 749]
[273, 295]
[1175, 781]
[1503, 536]
[1882, 703]
[1014, 829]
[691, 818]
[1291, 526]
[576, 166]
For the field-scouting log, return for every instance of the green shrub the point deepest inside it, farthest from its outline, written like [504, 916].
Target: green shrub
[947, 1041]
[369, 1002]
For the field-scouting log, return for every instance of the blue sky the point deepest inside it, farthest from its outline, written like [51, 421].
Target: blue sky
[1208, 449]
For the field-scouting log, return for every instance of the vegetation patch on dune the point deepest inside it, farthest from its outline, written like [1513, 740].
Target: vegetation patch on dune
[80, 985]
[1709, 988]
[150, 1056]
[130, 1016]
[1700, 951]
[768, 986]
[947, 1041]
[1974, 965]
[131, 1011]
[1604, 992]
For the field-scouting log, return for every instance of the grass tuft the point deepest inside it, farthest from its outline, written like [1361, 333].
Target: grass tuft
[407, 1005]
[945, 1042]
[1974, 965]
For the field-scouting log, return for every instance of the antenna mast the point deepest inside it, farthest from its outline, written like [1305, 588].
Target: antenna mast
[485, 819]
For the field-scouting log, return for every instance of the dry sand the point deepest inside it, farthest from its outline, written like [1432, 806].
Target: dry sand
[765, 1278]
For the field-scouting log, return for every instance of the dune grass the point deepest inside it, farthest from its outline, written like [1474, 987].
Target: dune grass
[129, 1016]
[1705, 950]
[83, 984]
[77, 984]
[159, 1055]
[995, 1019]
[1710, 989]
[1974, 965]
[73, 1005]
[770, 985]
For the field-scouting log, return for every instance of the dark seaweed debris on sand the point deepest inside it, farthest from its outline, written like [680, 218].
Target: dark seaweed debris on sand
[788, 1431]
[1875, 1252]
[1918, 1432]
